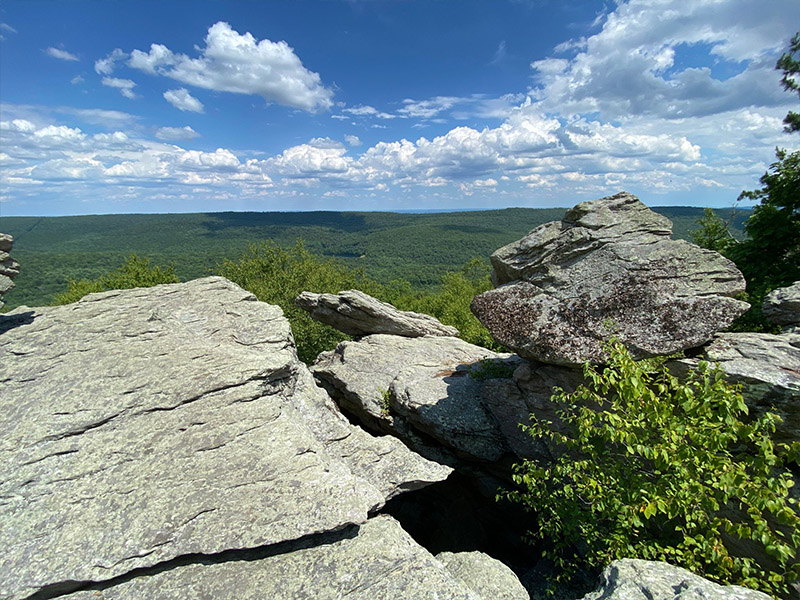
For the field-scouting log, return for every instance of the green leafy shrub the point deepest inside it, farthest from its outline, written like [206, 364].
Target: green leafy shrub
[277, 276]
[135, 272]
[492, 368]
[659, 469]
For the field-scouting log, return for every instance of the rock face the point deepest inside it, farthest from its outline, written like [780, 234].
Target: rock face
[631, 579]
[610, 267]
[412, 387]
[161, 426]
[9, 268]
[782, 306]
[488, 577]
[358, 314]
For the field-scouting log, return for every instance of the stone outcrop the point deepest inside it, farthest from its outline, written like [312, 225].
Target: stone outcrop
[9, 268]
[358, 314]
[631, 579]
[610, 267]
[488, 577]
[150, 428]
[782, 306]
[414, 387]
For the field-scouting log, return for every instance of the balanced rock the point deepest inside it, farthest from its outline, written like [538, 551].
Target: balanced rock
[634, 579]
[141, 428]
[355, 313]
[9, 268]
[782, 306]
[609, 268]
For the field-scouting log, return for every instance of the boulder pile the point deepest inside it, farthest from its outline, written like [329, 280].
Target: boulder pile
[167, 442]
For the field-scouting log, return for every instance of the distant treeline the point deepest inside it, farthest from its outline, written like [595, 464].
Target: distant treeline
[417, 248]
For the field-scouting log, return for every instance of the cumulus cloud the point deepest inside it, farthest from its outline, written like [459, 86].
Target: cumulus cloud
[106, 66]
[629, 68]
[240, 64]
[125, 86]
[352, 140]
[77, 80]
[176, 134]
[61, 54]
[183, 100]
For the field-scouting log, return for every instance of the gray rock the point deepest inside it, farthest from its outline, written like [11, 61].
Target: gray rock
[609, 267]
[9, 268]
[488, 578]
[633, 579]
[143, 425]
[356, 313]
[768, 368]
[782, 306]
[378, 560]
[404, 385]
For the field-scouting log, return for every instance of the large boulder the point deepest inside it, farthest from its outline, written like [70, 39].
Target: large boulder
[9, 268]
[608, 268]
[782, 306]
[358, 314]
[488, 577]
[633, 579]
[145, 426]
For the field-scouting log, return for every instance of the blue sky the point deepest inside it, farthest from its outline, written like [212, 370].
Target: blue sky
[156, 106]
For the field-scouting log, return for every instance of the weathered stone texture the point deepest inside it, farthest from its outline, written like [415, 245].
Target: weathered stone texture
[355, 313]
[632, 579]
[609, 267]
[376, 560]
[489, 578]
[142, 425]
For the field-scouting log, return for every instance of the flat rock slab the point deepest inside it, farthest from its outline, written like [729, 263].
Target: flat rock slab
[143, 425]
[358, 314]
[633, 579]
[376, 560]
[609, 268]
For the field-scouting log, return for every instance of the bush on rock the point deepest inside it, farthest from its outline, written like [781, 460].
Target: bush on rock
[659, 469]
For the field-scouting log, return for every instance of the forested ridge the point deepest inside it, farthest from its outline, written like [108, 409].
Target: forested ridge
[418, 248]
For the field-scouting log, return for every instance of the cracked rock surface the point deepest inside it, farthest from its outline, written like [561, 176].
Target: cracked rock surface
[9, 268]
[610, 267]
[145, 425]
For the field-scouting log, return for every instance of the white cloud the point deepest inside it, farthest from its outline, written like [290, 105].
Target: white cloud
[125, 86]
[183, 100]
[368, 111]
[176, 134]
[236, 63]
[499, 54]
[77, 80]
[105, 66]
[60, 54]
[352, 140]
[629, 69]
[7, 27]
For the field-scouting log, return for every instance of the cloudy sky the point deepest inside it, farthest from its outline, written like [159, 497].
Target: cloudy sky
[151, 106]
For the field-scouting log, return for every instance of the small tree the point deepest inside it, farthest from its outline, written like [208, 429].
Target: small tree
[654, 468]
[791, 69]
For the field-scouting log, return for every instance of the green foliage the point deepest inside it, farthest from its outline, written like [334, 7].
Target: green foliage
[492, 368]
[135, 272]
[385, 401]
[654, 468]
[277, 276]
[791, 69]
[450, 304]
[713, 233]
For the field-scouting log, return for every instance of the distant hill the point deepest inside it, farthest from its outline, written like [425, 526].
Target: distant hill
[419, 248]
